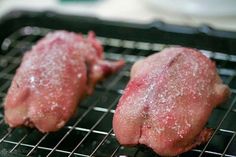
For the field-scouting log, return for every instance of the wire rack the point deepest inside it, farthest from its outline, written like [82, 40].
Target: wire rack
[89, 133]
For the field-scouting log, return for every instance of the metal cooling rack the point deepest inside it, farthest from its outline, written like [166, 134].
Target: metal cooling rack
[89, 132]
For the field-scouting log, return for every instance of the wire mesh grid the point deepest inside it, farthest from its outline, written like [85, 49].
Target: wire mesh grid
[89, 132]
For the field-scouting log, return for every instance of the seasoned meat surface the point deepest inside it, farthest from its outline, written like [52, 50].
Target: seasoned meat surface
[53, 77]
[168, 101]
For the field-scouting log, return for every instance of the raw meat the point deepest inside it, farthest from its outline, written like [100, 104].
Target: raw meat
[53, 77]
[168, 101]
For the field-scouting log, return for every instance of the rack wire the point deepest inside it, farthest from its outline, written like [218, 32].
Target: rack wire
[90, 132]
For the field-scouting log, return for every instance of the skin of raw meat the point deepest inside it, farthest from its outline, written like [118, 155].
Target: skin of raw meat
[52, 79]
[168, 101]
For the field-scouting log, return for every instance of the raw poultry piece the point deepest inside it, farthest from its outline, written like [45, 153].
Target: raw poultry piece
[168, 101]
[52, 79]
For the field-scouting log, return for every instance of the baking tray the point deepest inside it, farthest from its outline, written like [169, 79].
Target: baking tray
[89, 132]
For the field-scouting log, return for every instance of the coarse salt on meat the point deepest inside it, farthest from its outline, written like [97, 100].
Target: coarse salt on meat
[168, 101]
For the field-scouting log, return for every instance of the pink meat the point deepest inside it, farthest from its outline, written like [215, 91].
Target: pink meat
[52, 79]
[168, 101]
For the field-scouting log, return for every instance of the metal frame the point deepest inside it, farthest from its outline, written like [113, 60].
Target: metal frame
[22, 39]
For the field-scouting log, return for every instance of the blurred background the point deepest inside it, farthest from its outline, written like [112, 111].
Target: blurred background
[219, 14]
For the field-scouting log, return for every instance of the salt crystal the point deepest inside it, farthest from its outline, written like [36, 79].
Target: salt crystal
[79, 75]
[54, 106]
